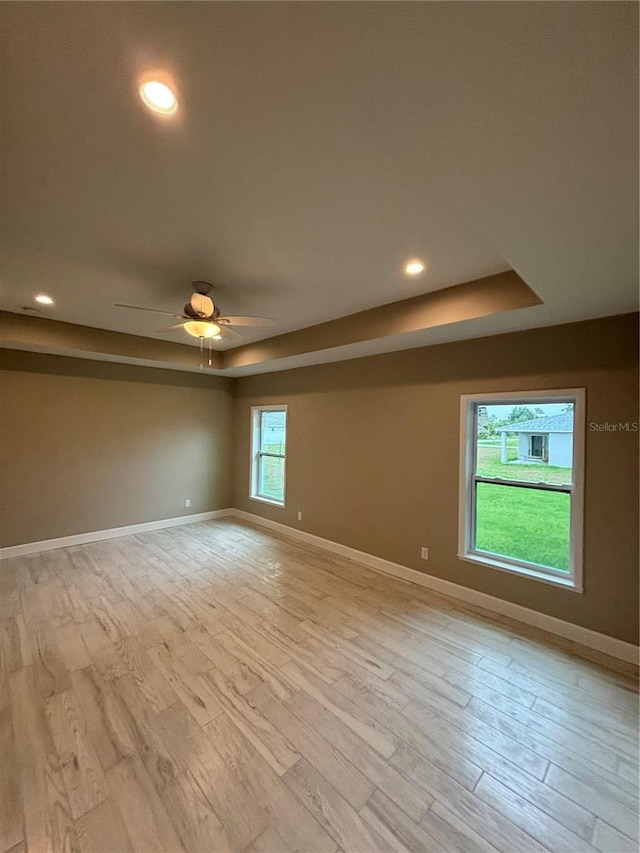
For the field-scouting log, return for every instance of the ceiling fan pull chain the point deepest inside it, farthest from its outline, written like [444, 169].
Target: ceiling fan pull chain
[201, 347]
[209, 352]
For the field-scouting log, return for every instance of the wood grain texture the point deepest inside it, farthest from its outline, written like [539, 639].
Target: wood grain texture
[220, 688]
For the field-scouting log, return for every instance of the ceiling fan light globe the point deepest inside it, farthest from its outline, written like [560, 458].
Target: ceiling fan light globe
[201, 328]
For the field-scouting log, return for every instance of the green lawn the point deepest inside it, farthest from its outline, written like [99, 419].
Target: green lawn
[272, 485]
[525, 524]
[489, 465]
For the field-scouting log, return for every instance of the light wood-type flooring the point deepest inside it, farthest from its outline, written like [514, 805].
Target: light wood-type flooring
[215, 687]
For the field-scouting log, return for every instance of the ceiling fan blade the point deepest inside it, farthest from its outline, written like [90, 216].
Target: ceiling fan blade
[140, 308]
[246, 321]
[229, 331]
[202, 305]
[171, 328]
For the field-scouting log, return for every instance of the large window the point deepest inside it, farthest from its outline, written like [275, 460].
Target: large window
[521, 483]
[268, 453]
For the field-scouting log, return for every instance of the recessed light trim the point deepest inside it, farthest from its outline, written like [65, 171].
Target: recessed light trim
[158, 97]
[414, 267]
[43, 299]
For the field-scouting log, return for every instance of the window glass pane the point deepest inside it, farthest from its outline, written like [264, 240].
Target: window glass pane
[526, 440]
[271, 478]
[273, 432]
[525, 524]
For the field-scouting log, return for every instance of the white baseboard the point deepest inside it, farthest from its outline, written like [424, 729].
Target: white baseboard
[111, 533]
[567, 630]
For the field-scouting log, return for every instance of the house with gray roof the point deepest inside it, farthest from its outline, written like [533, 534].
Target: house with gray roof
[548, 440]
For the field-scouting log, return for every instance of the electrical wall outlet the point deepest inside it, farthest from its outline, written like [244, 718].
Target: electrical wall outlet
[299, 516]
[424, 553]
[187, 502]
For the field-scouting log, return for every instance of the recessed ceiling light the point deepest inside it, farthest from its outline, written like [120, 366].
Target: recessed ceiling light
[158, 97]
[43, 299]
[413, 267]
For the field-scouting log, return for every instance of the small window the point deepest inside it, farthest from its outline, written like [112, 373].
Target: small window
[268, 453]
[521, 483]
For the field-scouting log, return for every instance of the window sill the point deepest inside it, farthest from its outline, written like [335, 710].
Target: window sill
[269, 501]
[522, 571]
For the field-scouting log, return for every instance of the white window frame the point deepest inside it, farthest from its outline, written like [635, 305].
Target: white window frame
[573, 580]
[257, 454]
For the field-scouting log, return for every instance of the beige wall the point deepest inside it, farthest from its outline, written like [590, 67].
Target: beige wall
[88, 445]
[373, 456]
[373, 452]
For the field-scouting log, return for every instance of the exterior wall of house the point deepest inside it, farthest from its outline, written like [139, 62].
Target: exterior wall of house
[523, 446]
[561, 449]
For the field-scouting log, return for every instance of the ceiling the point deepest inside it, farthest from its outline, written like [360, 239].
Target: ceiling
[316, 148]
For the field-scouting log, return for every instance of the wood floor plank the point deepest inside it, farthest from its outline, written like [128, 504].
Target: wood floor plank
[196, 748]
[490, 824]
[427, 686]
[605, 802]
[384, 817]
[11, 814]
[10, 653]
[33, 740]
[609, 840]
[269, 842]
[264, 671]
[485, 686]
[265, 737]
[297, 825]
[386, 691]
[366, 727]
[263, 644]
[334, 814]
[452, 833]
[143, 813]
[524, 814]
[51, 673]
[103, 715]
[193, 816]
[223, 687]
[555, 804]
[339, 772]
[568, 753]
[193, 690]
[148, 678]
[628, 770]
[411, 799]
[71, 647]
[102, 830]
[348, 650]
[596, 734]
[48, 824]
[143, 730]
[79, 763]
[462, 757]
[104, 655]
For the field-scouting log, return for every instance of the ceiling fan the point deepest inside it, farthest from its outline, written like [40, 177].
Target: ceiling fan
[201, 316]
